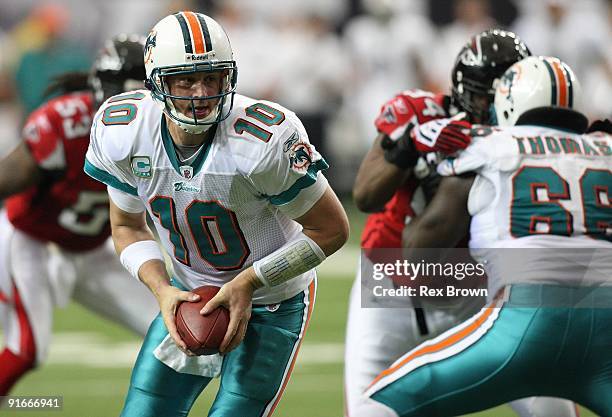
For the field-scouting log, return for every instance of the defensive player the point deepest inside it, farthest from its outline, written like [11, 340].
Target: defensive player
[389, 185]
[237, 196]
[537, 192]
[54, 232]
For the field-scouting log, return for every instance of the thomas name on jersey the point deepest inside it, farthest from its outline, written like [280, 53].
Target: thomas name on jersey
[538, 145]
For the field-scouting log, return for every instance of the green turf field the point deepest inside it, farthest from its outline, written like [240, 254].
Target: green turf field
[90, 359]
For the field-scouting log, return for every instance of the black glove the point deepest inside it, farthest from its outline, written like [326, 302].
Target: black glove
[401, 152]
[600, 126]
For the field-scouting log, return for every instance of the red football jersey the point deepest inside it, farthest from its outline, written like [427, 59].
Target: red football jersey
[68, 207]
[384, 229]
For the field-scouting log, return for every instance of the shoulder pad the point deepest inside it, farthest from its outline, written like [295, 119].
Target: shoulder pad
[120, 121]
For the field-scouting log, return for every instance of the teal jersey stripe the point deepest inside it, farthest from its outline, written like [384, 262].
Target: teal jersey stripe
[108, 179]
[306, 181]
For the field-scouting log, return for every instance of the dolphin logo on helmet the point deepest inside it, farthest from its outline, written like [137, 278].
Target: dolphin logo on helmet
[534, 83]
[149, 45]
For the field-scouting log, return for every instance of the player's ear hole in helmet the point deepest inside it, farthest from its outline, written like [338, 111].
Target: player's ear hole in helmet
[479, 63]
[190, 45]
[118, 67]
[540, 91]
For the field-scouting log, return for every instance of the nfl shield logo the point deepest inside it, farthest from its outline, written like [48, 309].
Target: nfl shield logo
[186, 171]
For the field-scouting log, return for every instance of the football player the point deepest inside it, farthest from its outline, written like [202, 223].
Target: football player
[239, 201]
[535, 197]
[392, 184]
[55, 232]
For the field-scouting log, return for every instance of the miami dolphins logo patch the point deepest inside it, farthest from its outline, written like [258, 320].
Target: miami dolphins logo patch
[300, 156]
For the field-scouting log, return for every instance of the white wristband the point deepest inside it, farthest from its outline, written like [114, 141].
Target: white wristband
[137, 253]
[289, 261]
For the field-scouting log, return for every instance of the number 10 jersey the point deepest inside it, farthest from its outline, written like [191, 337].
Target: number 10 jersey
[232, 204]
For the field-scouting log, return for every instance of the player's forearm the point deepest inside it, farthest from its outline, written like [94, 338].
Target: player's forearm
[377, 180]
[328, 240]
[326, 223]
[446, 219]
[427, 233]
[18, 171]
[123, 235]
[127, 228]
[325, 230]
[138, 251]
[249, 278]
[152, 272]
[375, 184]
[154, 275]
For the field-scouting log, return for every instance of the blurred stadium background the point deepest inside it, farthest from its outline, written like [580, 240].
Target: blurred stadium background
[332, 62]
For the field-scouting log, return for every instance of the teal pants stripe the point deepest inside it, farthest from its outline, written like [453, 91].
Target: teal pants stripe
[251, 376]
[531, 349]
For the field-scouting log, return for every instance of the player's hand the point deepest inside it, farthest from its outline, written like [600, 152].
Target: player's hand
[443, 135]
[604, 125]
[237, 297]
[169, 298]
[402, 151]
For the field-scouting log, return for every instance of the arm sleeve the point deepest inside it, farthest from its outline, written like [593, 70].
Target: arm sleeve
[107, 160]
[125, 201]
[289, 173]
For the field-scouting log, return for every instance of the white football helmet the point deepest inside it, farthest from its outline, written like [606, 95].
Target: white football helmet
[535, 82]
[186, 43]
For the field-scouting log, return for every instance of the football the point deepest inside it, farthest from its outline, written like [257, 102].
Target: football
[202, 334]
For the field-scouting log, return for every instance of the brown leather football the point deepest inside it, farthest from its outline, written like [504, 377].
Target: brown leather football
[202, 334]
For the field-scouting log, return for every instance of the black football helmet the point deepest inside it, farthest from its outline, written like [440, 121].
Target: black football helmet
[118, 67]
[482, 60]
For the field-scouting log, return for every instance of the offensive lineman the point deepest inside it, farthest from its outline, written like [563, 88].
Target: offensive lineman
[376, 337]
[53, 203]
[238, 200]
[537, 192]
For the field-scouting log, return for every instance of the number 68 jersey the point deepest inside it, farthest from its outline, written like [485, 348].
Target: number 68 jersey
[544, 189]
[232, 204]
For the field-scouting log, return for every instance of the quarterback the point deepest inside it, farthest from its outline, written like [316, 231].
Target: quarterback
[534, 194]
[238, 199]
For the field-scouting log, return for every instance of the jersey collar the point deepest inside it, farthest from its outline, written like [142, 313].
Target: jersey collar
[169, 148]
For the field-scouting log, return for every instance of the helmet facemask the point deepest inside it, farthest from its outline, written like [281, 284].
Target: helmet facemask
[473, 98]
[190, 122]
[478, 66]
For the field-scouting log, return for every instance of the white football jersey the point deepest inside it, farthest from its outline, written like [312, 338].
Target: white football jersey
[540, 204]
[233, 204]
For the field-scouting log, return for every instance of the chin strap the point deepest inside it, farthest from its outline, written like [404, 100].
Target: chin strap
[196, 129]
